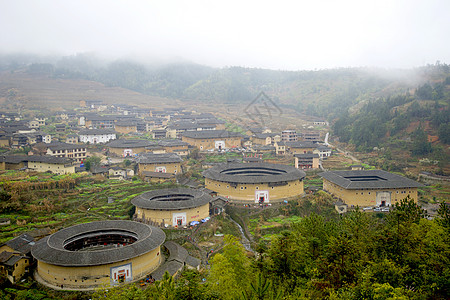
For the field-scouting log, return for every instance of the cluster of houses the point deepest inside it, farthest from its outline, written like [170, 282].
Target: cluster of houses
[170, 135]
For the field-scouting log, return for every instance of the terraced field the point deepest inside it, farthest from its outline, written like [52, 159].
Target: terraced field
[43, 201]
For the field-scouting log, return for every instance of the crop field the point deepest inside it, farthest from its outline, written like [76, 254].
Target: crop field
[46, 201]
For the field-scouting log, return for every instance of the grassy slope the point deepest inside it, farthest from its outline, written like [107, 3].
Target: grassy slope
[39, 91]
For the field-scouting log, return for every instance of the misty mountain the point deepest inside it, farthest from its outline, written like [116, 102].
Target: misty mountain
[366, 106]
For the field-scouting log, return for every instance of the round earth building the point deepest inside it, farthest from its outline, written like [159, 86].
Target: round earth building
[255, 182]
[172, 207]
[89, 255]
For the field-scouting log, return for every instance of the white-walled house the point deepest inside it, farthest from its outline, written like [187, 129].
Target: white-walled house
[323, 151]
[97, 136]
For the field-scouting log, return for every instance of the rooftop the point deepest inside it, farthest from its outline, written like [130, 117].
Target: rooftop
[172, 199]
[253, 173]
[96, 132]
[22, 243]
[122, 143]
[211, 134]
[52, 249]
[152, 158]
[365, 179]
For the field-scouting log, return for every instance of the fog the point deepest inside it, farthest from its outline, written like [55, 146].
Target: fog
[287, 35]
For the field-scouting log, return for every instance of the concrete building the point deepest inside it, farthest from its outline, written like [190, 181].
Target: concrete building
[212, 139]
[95, 254]
[289, 136]
[369, 188]
[172, 207]
[255, 182]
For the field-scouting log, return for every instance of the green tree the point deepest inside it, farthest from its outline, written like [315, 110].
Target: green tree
[444, 133]
[92, 162]
[222, 280]
[444, 216]
[127, 291]
[421, 146]
[189, 286]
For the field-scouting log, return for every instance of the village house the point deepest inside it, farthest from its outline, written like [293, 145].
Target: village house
[125, 127]
[72, 139]
[310, 136]
[4, 141]
[300, 147]
[13, 162]
[164, 163]
[159, 134]
[33, 124]
[369, 187]
[323, 151]
[30, 138]
[55, 165]
[97, 122]
[213, 139]
[157, 177]
[262, 139]
[306, 161]
[280, 148]
[127, 148]
[75, 152]
[174, 145]
[117, 173]
[289, 136]
[15, 257]
[96, 136]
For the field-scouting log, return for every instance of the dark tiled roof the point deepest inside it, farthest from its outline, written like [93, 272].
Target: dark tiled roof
[169, 199]
[264, 147]
[263, 135]
[49, 159]
[177, 252]
[14, 259]
[211, 134]
[306, 155]
[368, 179]
[172, 267]
[158, 174]
[172, 143]
[13, 159]
[121, 143]
[5, 255]
[152, 158]
[253, 173]
[300, 145]
[323, 148]
[22, 243]
[51, 249]
[126, 123]
[63, 146]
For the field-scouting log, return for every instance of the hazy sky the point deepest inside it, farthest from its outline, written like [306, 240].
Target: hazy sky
[292, 35]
